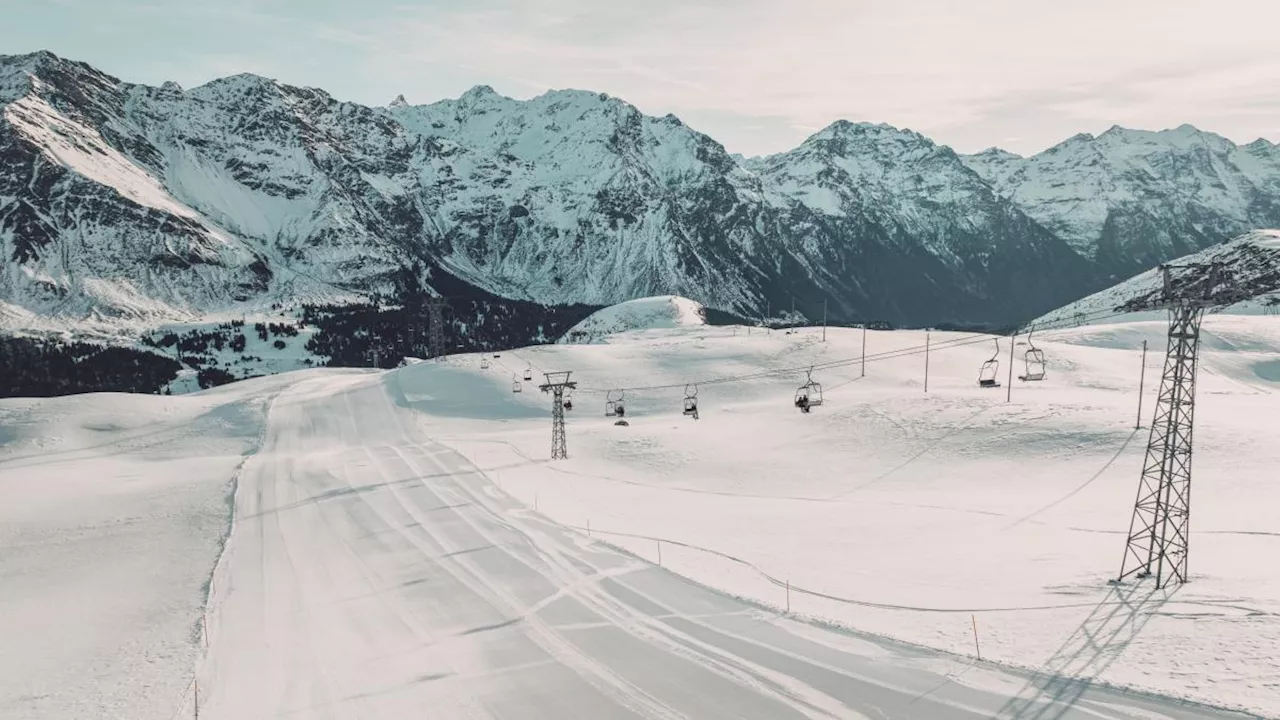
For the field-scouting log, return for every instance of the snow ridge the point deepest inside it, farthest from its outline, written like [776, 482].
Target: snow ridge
[1252, 261]
[653, 313]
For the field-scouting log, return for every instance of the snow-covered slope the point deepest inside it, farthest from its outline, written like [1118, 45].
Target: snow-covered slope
[909, 513]
[115, 512]
[401, 548]
[1130, 199]
[653, 313]
[1251, 261]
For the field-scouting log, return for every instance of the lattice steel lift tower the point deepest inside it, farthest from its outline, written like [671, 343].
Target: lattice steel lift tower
[1159, 532]
[435, 327]
[556, 384]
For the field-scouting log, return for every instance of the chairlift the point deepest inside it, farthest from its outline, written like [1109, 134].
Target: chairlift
[528, 373]
[568, 400]
[1034, 359]
[691, 401]
[808, 395]
[484, 362]
[515, 385]
[613, 406]
[987, 373]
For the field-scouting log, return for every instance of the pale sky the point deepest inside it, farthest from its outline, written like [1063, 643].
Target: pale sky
[757, 75]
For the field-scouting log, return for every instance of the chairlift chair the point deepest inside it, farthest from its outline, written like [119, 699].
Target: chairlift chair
[809, 395]
[691, 401]
[568, 400]
[613, 406]
[484, 363]
[987, 373]
[528, 374]
[1034, 359]
[515, 385]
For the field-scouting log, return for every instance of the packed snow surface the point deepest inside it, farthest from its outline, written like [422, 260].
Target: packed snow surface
[114, 511]
[651, 313]
[400, 544]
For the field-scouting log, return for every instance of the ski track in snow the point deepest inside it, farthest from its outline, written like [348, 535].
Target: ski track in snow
[375, 573]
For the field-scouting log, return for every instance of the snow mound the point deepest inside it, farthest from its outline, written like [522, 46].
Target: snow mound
[652, 313]
[1252, 260]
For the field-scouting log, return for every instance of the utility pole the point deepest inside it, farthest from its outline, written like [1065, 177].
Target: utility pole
[556, 382]
[864, 349]
[1142, 379]
[1159, 532]
[926, 361]
[1008, 393]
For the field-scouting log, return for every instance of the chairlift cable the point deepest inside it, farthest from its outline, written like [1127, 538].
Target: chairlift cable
[887, 355]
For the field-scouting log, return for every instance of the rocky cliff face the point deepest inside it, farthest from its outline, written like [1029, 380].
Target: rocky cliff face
[130, 203]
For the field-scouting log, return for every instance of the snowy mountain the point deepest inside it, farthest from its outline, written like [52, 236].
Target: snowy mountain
[930, 232]
[128, 202]
[652, 313]
[125, 205]
[1251, 262]
[1129, 199]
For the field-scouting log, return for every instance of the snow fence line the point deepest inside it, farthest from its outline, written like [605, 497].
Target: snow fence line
[189, 694]
[789, 588]
[782, 583]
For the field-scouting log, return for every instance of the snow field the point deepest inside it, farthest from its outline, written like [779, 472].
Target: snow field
[115, 508]
[371, 570]
[918, 514]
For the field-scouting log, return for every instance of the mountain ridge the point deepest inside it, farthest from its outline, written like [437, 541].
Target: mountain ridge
[134, 202]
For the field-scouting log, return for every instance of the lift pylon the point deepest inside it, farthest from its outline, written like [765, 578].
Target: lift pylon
[1160, 529]
[556, 383]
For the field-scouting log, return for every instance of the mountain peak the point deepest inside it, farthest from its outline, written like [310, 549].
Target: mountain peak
[240, 80]
[480, 92]
[50, 69]
[35, 59]
[399, 101]
[869, 131]
[995, 153]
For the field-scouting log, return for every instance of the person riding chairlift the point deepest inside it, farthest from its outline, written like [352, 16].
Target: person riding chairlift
[802, 402]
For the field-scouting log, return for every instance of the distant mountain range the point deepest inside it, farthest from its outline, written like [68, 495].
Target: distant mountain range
[129, 204]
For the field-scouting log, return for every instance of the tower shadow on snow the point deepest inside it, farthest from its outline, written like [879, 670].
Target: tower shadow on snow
[1098, 642]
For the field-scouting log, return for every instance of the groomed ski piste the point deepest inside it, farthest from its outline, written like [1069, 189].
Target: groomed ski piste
[402, 547]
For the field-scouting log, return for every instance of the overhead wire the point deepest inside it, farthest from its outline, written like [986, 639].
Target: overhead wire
[855, 359]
